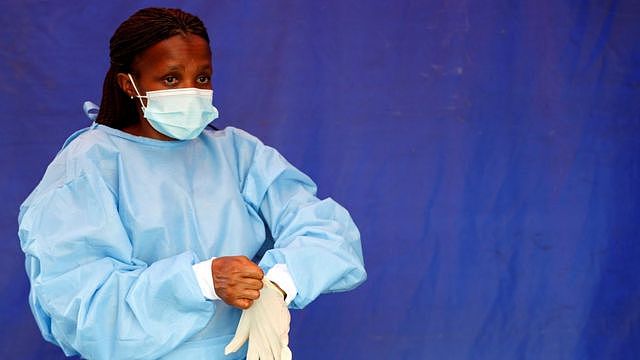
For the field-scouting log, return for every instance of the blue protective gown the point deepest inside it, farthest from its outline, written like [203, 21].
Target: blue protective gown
[112, 231]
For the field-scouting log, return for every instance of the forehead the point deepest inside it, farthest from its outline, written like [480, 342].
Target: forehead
[177, 51]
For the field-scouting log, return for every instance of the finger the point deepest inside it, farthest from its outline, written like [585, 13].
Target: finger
[241, 284]
[251, 269]
[269, 330]
[263, 345]
[238, 281]
[252, 272]
[241, 335]
[252, 352]
[250, 284]
[237, 265]
[249, 294]
[286, 353]
[242, 303]
[275, 347]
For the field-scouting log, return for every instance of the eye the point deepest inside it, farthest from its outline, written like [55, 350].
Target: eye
[170, 80]
[202, 79]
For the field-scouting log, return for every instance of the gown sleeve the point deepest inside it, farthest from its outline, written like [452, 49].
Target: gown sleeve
[316, 239]
[88, 293]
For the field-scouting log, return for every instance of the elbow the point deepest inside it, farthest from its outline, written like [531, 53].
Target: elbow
[353, 278]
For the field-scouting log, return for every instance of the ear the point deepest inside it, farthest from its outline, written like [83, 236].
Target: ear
[125, 84]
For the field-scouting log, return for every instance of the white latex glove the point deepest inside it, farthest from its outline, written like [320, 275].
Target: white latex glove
[266, 325]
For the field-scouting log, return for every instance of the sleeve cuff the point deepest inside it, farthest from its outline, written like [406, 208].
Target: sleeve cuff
[205, 279]
[280, 275]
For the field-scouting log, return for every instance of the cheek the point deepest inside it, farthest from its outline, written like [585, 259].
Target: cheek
[147, 80]
[149, 85]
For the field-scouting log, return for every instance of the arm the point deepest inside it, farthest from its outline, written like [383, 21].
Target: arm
[89, 294]
[316, 239]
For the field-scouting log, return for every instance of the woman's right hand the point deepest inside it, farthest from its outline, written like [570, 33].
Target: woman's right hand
[236, 280]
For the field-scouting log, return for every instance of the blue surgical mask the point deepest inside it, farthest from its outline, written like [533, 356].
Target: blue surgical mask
[178, 113]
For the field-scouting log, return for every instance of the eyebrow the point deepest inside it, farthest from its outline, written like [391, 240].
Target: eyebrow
[175, 67]
[181, 67]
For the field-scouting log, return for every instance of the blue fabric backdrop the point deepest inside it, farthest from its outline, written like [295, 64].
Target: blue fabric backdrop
[488, 150]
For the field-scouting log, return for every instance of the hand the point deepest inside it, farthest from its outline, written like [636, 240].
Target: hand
[236, 280]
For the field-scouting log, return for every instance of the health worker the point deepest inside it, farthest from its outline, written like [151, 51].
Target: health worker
[138, 239]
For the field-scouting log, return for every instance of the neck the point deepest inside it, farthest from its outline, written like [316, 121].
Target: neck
[143, 128]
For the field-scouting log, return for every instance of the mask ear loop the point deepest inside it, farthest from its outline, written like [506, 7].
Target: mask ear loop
[137, 92]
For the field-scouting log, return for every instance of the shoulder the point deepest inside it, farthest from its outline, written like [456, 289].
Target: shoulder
[242, 134]
[88, 153]
[232, 136]
[244, 142]
[237, 145]
[248, 155]
[88, 150]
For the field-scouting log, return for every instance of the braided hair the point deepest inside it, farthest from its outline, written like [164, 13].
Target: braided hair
[142, 30]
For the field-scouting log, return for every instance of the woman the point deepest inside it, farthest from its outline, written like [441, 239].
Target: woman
[138, 238]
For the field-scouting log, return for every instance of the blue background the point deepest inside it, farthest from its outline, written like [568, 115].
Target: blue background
[488, 150]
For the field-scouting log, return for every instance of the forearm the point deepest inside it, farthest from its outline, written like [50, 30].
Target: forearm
[106, 309]
[322, 254]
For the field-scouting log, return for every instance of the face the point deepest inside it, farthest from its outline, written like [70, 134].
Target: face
[177, 62]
